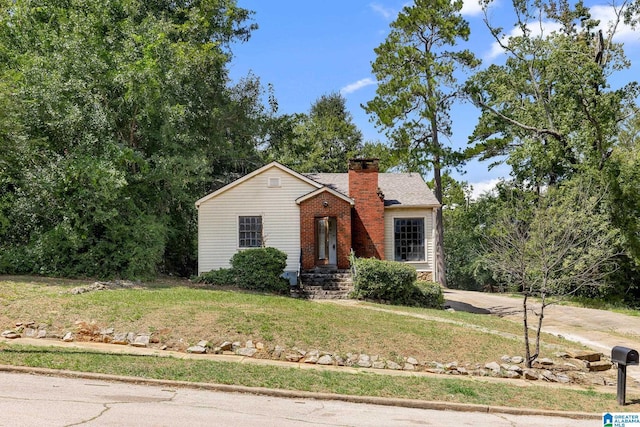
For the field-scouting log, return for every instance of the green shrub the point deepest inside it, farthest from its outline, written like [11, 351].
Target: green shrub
[222, 277]
[427, 294]
[389, 281]
[260, 269]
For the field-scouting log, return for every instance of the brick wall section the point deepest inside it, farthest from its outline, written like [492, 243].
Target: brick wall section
[368, 213]
[313, 208]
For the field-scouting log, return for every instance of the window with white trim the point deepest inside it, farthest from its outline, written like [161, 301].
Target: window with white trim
[408, 239]
[250, 231]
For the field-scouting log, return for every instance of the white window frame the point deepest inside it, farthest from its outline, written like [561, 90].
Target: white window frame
[424, 239]
[242, 239]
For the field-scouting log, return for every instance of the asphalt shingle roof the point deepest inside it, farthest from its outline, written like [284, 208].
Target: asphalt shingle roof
[399, 189]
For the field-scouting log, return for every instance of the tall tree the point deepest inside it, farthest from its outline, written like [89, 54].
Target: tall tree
[415, 69]
[126, 117]
[322, 141]
[549, 110]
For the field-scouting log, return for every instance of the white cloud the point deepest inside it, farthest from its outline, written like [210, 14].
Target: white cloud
[537, 30]
[352, 87]
[482, 187]
[471, 8]
[606, 15]
[385, 12]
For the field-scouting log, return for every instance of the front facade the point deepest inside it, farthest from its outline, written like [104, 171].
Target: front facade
[317, 219]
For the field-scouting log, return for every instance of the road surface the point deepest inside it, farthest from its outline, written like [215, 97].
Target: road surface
[35, 400]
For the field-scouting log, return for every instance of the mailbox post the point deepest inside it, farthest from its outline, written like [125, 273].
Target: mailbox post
[624, 357]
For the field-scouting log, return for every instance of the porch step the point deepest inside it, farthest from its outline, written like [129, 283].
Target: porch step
[326, 283]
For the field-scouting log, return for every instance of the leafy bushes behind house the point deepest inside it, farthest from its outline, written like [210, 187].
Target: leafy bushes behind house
[393, 282]
[257, 269]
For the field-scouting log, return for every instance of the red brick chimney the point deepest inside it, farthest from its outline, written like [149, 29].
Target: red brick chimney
[367, 220]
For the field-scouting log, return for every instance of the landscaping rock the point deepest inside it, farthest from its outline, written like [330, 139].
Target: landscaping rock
[141, 340]
[42, 333]
[530, 375]
[364, 361]
[409, 367]
[68, 337]
[378, 364]
[461, 370]
[120, 338]
[517, 359]
[589, 356]
[393, 365]
[278, 351]
[493, 366]
[412, 360]
[244, 351]
[293, 357]
[226, 346]
[510, 374]
[602, 365]
[10, 335]
[197, 349]
[325, 360]
[545, 361]
[506, 359]
[514, 368]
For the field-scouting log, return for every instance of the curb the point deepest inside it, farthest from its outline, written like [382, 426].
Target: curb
[292, 394]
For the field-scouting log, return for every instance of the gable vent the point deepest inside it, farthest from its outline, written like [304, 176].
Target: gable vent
[273, 182]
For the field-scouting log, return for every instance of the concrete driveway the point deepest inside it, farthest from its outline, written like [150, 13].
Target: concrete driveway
[599, 330]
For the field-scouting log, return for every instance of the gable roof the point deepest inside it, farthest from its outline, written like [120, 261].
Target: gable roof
[258, 172]
[399, 189]
[325, 189]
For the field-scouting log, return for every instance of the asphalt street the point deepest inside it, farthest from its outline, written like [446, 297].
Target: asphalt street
[36, 400]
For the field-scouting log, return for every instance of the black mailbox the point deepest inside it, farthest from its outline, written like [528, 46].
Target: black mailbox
[624, 356]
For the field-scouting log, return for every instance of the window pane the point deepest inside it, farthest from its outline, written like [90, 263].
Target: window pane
[250, 231]
[409, 239]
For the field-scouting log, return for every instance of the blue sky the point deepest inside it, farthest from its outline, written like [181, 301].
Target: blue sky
[308, 49]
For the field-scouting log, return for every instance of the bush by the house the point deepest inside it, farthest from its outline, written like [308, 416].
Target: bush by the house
[393, 282]
[258, 269]
[428, 294]
[390, 281]
[222, 277]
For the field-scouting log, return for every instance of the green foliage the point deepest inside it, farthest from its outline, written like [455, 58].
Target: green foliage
[322, 141]
[221, 277]
[379, 280]
[427, 295]
[260, 269]
[549, 111]
[114, 117]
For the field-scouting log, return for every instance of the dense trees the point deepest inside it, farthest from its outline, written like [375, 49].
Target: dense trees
[323, 140]
[116, 116]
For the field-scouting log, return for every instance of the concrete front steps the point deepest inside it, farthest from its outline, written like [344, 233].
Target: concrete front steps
[326, 283]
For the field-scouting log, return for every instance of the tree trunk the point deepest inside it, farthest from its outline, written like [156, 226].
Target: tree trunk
[439, 226]
[527, 351]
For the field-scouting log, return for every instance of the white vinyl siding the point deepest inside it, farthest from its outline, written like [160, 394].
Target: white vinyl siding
[218, 218]
[390, 216]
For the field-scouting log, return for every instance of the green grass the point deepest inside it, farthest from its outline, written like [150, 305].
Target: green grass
[181, 315]
[475, 391]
